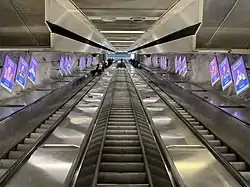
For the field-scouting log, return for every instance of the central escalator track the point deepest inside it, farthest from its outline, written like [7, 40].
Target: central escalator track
[122, 150]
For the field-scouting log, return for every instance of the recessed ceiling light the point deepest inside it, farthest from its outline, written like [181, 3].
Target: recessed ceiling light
[123, 32]
[108, 19]
[120, 41]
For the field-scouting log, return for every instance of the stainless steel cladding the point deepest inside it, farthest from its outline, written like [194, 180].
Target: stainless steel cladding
[223, 27]
[66, 15]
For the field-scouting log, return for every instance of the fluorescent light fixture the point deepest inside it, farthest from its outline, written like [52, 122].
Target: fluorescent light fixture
[122, 32]
[120, 41]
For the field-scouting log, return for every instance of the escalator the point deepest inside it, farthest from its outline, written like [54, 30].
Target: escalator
[122, 150]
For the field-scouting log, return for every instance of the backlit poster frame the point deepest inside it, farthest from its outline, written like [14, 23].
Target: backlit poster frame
[184, 66]
[8, 74]
[214, 71]
[32, 70]
[241, 82]
[176, 64]
[22, 72]
[225, 74]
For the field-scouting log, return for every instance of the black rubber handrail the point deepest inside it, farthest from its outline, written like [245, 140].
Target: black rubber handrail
[221, 159]
[78, 161]
[173, 173]
[13, 169]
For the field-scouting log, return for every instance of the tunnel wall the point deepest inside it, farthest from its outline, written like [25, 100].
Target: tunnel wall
[198, 72]
[47, 71]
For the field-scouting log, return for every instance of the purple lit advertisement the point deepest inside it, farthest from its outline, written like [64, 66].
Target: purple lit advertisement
[180, 65]
[184, 66]
[22, 72]
[149, 62]
[163, 62]
[62, 68]
[214, 73]
[225, 74]
[89, 59]
[176, 64]
[240, 78]
[155, 61]
[8, 74]
[32, 70]
[82, 63]
[67, 65]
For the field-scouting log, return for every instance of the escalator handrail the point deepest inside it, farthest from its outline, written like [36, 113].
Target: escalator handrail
[221, 159]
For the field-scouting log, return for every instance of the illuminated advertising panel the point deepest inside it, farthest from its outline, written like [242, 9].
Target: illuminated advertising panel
[8, 74]
[22, 72]
[184, 66]
[32, 70]
[225, 74]
[214, 72]
[240, 78]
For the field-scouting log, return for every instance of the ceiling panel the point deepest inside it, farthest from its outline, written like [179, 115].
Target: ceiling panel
[116, 15]
[122, 25]
[125, 4]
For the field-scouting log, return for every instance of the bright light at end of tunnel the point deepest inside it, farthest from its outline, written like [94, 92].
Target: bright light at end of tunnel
[123, 32]
[119, 41]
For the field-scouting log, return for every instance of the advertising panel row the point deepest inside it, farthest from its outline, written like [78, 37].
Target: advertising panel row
[180, 65]
[18, 73]
[236, 74]
[65, 65]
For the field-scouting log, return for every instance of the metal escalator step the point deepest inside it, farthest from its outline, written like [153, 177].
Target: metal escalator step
[40, 130]
[118, 132]
[49, 122]
[190, 119]
[7, 163]
[35, 135]
[29, 140]
[209, 137]
[199, 127]
[214, 142]
[121, 113]
[222, 149]
[203, 132]
[15, 154]
[122, 137]
[194, 123]
[2, 171]
[122, 122]
[122, 185]
[122, 167]
[122, 150]
[122, 158]
[123, 178]
[45, 126]
[121, 119]
[246, 175]
[229, 156]
[113, 127]
[240, 166]
[122, 143]
[121, 116]
[23, 147]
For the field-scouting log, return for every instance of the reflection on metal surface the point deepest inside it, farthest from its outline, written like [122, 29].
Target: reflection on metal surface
[198, 167]
[46, 167]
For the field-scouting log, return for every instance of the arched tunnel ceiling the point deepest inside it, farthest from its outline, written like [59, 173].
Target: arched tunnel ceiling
[122, 11]
[224, 23]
